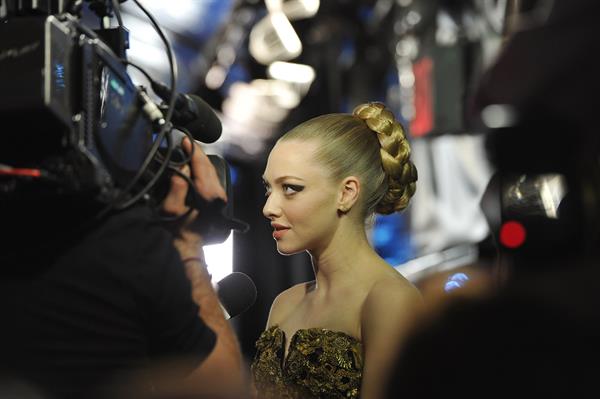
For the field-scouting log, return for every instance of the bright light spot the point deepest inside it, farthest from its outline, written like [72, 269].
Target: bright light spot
[291, 72]
[151, 56]
[226, 55]
[512, 234]
[552, 190]
[299, 9]
[456, 280]
[278, 92]
[407, 78]
[413, 17]
[185, 12]
[286, 32]
[497, 116]
[451, 286]
[461, 277]
[215, 77]
[274, 39]
[219, 259]
[274, 5]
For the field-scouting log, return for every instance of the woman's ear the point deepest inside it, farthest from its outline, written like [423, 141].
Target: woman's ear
[348, 195]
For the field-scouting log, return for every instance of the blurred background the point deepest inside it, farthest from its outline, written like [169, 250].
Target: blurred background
[265, 66]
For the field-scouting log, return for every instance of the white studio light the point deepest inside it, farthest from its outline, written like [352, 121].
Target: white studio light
[498, 116]
[215, 77]
[286, 33]
[278, 93]
[273, 38]
[274, 5]
[294, 9]
[291, 72]
[300, 9]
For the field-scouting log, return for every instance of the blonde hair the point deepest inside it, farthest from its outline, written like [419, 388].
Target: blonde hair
[370, 144]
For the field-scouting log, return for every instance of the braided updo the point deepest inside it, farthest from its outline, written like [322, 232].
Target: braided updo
[395, 156]
[369, 144]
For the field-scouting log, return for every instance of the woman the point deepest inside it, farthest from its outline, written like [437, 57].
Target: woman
[337, 335]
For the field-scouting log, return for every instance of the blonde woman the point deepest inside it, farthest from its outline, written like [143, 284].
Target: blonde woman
[336, 336]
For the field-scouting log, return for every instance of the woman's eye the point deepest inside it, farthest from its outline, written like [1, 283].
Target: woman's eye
[289, 189]
[267, 188]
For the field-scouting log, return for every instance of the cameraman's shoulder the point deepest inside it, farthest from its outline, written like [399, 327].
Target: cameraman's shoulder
[134, 236]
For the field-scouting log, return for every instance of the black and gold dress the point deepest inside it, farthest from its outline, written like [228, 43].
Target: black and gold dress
[320, 363]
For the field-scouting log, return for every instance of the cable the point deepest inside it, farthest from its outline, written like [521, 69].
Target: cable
[170, 54]
[180, 128]
[165, 126]
[153, 180]
[188, 157]
[139, 68]
[153, 150]
[117, 11]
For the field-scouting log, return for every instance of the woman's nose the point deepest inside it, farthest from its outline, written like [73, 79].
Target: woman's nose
[271, 209]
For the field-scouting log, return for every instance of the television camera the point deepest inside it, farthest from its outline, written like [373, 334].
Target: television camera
[77, 128]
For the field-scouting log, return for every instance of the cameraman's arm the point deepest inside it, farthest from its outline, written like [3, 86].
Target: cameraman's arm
[223, 368]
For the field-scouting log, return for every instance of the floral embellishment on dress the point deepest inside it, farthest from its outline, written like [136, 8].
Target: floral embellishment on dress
[321, 363]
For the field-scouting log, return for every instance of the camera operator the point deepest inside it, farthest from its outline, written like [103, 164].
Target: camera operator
[125, 308]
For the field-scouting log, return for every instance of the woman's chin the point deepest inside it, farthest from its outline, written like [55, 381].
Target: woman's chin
[287, 251]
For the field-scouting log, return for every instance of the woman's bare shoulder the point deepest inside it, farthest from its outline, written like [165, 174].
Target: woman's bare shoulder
[287, 300]
[391, 292]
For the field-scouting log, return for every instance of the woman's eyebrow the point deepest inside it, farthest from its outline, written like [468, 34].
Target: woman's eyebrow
[281, 178]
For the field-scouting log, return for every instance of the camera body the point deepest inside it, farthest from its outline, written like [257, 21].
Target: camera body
[72, 110]
[78, 135]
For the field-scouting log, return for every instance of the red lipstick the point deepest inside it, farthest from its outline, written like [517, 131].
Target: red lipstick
[279, 230]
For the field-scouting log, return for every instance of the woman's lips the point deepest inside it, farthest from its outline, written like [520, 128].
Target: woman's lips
[279, 232]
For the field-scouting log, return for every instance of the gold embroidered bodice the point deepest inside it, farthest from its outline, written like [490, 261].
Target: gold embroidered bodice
[320, 363]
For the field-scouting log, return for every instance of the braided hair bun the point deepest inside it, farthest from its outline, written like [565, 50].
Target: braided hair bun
[395, 156]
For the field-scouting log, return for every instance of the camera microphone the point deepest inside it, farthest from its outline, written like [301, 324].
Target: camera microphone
[236, 293]
[192, 113]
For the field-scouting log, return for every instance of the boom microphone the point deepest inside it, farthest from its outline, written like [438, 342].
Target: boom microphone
[192, 113]
[237, 293]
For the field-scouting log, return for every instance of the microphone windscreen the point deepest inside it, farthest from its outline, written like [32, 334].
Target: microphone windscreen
[206, 126]
[236, 292]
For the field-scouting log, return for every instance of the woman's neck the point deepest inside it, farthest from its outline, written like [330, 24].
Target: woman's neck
[340, 262]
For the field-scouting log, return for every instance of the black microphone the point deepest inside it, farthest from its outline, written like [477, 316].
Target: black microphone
[237, 293]
[192, 113]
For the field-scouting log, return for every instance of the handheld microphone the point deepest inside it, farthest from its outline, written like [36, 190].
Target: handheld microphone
[192, 113]
[236, 293]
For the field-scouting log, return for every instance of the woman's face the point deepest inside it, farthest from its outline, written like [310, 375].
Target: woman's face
[301, 198]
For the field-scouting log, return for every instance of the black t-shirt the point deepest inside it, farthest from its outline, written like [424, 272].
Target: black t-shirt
[117, 300]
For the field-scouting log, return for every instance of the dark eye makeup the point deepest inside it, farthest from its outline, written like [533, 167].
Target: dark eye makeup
[293, 187]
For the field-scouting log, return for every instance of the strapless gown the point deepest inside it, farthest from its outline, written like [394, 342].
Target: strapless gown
[320, 363]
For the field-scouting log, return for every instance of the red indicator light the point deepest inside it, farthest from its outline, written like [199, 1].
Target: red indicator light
[512, 234]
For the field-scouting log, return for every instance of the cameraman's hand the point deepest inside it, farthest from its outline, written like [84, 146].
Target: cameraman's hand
[223, 370]
[222, 373]
[203, 174]
[207, 184]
